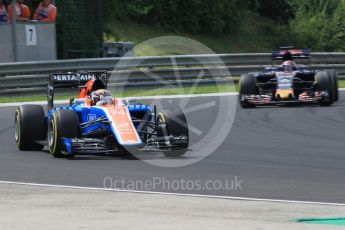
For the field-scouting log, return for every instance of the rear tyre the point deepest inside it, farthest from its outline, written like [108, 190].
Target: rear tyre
[29, 127]
[325, 83]
[247, 86]
[64, 123]
[174, 123]
[334, 77]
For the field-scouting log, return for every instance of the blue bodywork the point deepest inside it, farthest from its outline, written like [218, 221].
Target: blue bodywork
[112, 125]
[92, 119]
[287, 83]
[270, 71]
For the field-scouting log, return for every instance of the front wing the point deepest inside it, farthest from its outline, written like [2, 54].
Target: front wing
[74, 146]
[304, 98]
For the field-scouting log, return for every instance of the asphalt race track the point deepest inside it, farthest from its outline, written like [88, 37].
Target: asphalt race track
[288, 153]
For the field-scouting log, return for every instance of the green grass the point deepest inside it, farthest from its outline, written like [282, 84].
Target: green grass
[252, 26]
[134, 93]
[341, 83]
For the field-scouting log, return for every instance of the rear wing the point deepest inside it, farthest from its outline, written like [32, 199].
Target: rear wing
[72, 80]
[289, 54]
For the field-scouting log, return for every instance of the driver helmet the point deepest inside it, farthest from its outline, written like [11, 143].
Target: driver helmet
[99, 95]
[289, 65]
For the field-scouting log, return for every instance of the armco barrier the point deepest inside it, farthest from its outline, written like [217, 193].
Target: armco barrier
[31, 77]
[163, 61]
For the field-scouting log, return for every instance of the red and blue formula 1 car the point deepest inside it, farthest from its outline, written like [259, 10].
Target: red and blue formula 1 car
[95, 122]
[288, 83]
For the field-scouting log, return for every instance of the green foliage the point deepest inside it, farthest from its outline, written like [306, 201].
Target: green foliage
[195, 16]
[316, 24]
[319, 24]
[281, 10]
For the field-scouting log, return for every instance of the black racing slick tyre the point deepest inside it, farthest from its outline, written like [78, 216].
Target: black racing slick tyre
[63, 123]
[29, 127]
[247, 86]
[334, 77]
[325, 83]
[174, 123]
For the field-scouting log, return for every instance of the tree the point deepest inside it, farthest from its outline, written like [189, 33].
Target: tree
[319, 24]
[281, 10]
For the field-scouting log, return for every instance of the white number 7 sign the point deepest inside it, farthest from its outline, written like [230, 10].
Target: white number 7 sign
[31, 36]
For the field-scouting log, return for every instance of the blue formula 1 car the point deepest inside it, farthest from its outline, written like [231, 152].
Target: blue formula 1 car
[96, 123]
[288, 83]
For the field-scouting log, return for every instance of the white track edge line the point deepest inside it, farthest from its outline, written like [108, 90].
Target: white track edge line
[142, 98]
[171, 194]
[2, 105]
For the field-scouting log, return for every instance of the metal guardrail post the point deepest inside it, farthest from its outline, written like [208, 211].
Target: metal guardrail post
[14, 30]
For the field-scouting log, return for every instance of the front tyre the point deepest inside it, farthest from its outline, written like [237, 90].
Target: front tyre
[335, 84]
[63, 123]
[29, 127]
[174, 123]
[325, 83]
[247, 86]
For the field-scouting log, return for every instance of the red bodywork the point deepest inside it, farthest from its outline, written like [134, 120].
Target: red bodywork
[116, 112]
[85, 91]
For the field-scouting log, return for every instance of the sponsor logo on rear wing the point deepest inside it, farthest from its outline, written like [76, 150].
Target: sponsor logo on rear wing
[72, 80]
[76, 79]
